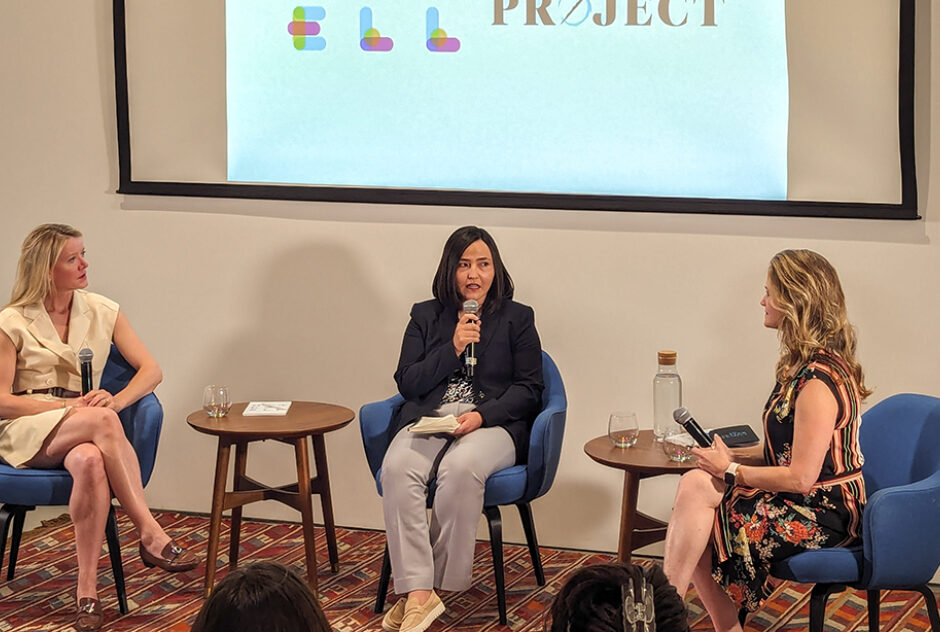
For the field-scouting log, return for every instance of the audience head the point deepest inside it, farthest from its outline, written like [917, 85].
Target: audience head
[445, 287]
[618, 598]
[261, 597]
[40, 251]
[804, 287]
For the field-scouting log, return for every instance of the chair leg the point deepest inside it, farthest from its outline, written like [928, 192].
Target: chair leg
[525, 514]
[495, 523]
[874, 610]
[931, 602]
[5, 515]
[817, 604]
[114, 552]
[383, 581]
[19, 517]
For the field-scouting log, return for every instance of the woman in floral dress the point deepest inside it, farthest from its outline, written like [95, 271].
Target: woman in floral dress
[731, 521]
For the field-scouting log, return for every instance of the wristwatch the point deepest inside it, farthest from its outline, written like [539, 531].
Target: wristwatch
[731, 474]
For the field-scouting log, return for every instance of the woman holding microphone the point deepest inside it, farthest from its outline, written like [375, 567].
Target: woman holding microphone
[731, 521]
[45, 421]
[494, 402]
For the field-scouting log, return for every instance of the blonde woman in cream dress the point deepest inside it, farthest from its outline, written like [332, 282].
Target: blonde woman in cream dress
[45, 422]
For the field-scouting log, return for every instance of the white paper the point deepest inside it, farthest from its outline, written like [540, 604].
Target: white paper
[266, 409]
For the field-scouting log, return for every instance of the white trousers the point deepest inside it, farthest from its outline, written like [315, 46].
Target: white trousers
[440, 555]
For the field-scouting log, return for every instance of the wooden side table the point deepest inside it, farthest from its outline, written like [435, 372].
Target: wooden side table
[640, 461]
[304, 419]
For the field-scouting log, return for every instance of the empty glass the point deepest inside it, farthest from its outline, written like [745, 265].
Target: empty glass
[622, 429]
[677, 444]
[216, 401]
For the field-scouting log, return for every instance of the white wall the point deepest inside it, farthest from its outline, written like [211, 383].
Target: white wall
[308, 301]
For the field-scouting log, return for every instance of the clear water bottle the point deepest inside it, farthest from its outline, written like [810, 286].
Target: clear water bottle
[667, 394]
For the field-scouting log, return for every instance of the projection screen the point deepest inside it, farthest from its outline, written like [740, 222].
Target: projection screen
[717, 106]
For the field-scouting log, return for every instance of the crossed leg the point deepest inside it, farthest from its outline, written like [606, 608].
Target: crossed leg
[91, 445]
[688, 556]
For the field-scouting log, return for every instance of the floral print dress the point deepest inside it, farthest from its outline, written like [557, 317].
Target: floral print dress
[754, 528]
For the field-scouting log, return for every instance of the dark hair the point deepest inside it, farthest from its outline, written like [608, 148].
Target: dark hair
[445, 280]
[265, 596]
[592, 600]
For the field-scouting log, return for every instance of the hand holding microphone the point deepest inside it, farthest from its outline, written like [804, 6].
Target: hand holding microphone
[90, 396]
[467, 334]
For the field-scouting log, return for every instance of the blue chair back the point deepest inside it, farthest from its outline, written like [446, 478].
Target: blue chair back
[900, 438]
[547, 433]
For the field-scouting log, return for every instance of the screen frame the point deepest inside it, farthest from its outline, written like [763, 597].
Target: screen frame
[905, 210]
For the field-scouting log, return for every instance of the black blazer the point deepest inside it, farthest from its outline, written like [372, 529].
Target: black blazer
[508, 373]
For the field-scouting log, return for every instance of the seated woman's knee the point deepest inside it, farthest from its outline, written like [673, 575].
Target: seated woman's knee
[458, 467]
[698, 486]
[105, 422]
[85, 462]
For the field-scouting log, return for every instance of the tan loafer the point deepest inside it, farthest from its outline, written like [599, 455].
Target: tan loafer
[391, 622]
[89, 616]
[419, 617]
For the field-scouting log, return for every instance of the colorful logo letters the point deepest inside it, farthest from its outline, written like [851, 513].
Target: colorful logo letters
[305, 28]
[438, 42]
[370, 40]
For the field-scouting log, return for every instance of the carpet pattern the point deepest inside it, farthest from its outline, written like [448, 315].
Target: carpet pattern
[41, 596]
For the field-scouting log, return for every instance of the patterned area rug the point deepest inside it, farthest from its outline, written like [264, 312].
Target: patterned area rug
[41, 596]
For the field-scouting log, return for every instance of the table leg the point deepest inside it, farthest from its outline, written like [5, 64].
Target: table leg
[326, 502]
[631, 488]
[241, 461]
[306, 508]
[218, 503]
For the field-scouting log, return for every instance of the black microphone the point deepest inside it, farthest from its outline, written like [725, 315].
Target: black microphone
[684, 418]
[470, 307]
[84, 360]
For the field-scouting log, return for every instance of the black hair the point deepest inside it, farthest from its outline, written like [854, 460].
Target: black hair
[445, 279]
[592, 600]
[261, 597]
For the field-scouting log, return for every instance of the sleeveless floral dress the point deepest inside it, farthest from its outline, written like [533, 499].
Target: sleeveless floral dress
[754, 528]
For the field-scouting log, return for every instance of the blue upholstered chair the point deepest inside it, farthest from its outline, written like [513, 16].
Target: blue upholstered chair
[900, 439]
[517, 485]
[25, 489]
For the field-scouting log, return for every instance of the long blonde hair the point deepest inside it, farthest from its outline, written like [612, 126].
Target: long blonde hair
[805, 288]
[41, 250]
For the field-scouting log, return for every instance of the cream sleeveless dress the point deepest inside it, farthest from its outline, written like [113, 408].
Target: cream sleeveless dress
[44, 361]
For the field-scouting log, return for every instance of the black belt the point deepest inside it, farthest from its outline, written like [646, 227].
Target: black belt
[55, 391]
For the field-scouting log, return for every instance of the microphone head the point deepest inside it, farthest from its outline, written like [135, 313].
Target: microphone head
[681, 415]
[470, 306]
[85, 355]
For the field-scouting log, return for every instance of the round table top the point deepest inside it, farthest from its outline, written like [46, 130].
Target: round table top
[646, 457]
[302, 419]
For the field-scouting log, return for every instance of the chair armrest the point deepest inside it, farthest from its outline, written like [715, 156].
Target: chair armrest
[545, 439]
[142, 423]
[900, 534]
[374, 422]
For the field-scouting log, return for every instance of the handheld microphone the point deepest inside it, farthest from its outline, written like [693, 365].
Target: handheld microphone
[84, 360]
[684, 418]
[470, 307]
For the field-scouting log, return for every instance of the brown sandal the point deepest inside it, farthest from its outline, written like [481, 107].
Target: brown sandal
[173, 558]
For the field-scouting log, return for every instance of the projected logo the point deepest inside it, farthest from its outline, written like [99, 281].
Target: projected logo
[370, 38]
[305, 28]
[438, 42]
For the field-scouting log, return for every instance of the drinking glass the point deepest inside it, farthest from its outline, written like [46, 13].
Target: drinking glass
[622, 429]
[216, 401]
[677, 444]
